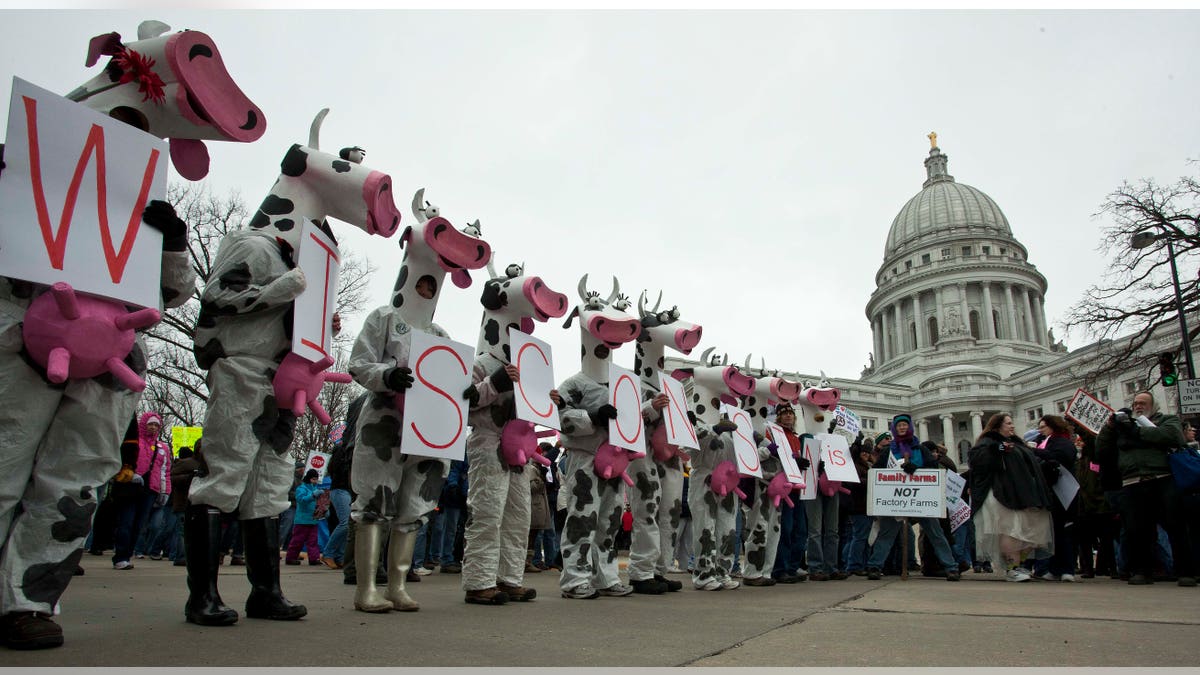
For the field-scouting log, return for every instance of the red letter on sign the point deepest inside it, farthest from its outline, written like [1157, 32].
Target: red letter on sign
[520, 385]
[56, 240]
[326, 317]
[453, 402]
[633, 401]
[676, 407]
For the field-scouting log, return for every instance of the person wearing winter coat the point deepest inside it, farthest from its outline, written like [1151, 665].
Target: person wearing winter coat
[1057, 449]
[151, 486]
[906, 449]
[1010, 499]
[304, 528]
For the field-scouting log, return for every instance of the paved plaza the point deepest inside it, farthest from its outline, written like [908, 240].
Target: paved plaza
[135, 618]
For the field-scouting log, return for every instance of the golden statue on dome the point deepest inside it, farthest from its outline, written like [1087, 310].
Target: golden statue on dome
[933, 140]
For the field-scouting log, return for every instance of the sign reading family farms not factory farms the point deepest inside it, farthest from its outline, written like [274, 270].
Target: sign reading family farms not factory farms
[892, 492]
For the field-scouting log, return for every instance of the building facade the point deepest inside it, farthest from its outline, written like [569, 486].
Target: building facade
[959, 325]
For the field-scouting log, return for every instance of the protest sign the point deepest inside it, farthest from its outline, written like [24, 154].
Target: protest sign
[790, 468]
[835, 452]
[892, 492]
[535, 361]
[435, 414]
[312, 318]
[960, 513]
[74, 188]
[318, 461]
[1065, 487]
[1088, 411]
[954, 486]
[185, 437]
[679, 428]
[810, 449]
[625, 394]
[743, 441]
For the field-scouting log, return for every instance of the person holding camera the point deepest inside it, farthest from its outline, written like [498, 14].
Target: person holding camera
[1142, 438]
[1010, 499]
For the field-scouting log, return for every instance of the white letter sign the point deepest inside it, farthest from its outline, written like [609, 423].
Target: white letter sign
[435, 414]
[743, 441]
[790, 468]
[679, 428]
[625, 394]
[893, 492]
[1087, 410]
[312, 322]
[835, 452]
[318, 461]
[531, 393]
[73, 192]
[810, 449]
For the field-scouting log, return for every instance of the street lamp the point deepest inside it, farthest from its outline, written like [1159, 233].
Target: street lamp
[1142, 240]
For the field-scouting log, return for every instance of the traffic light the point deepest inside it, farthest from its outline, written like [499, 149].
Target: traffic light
[1166, 368]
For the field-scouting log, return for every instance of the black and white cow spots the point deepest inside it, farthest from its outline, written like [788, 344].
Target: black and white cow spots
[46, 582]
[491, 332]
[274, 426]
[602, 352]
[295, 162]
[381, 436]
[76, 522]
[236, 279]
[582, 490]
[433, 472]
[341, 166]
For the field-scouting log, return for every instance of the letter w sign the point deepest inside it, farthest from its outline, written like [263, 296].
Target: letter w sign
[71, 198]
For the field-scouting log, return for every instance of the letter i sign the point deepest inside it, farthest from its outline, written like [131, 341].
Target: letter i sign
[73, 191]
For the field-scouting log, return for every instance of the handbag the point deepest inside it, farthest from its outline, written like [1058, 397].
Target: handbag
[1185, 467]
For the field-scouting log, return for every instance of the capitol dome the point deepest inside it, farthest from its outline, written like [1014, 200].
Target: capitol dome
[944, 207]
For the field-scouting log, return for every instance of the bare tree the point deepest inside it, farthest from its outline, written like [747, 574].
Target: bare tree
[175, 385]
[1133, 306]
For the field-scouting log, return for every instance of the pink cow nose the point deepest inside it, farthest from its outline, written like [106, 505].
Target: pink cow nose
[686, 339]
[612, 331]
[825, 399]
[456, 252]
[208, 94]
[742, 385]
[547, 303]
[383, 218]
[783, 390]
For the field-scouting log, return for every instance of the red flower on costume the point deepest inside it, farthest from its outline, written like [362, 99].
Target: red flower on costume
[140, 68]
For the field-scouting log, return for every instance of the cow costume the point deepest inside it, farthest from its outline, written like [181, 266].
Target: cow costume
[60, 441]
[712, 499]
[593, 504]
[656, 500]
[243, 333]
[499, 498]
[760, 512]
[398, 490]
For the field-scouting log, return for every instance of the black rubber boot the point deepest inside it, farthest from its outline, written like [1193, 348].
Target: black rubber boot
[672, 585]
[202, 541]
[260, 536]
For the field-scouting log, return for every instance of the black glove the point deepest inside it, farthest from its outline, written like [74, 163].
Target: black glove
[802, 463]
[820, 467]
[910, 467]
[724, 425]
[605, 413]
[692, 418]
[398, 379]
[161, 216]
[500, 380]
[471, 395]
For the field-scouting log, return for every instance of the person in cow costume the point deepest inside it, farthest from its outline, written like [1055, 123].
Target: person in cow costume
[713, 493]
[398, 490]
[243, 336]
[594, 503]
[61, 441]
[656, 500]
[499, 497]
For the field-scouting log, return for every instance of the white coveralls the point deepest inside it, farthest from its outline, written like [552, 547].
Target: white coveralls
[58, 444]
[760, 519]
[656, 502]
[242, 334]
[390, 486]
[714, 519]
[593, 505]
[498, 497]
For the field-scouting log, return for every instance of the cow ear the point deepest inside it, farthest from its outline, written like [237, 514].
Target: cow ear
[571, 317]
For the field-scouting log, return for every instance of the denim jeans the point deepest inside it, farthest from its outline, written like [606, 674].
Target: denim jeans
[285, 525]
[545, 546]
[962, 536]
[855, 547]
[443, 547]
[822, 514]
[890, 527]
[178, 552]
[130, 516]
[793, 539]
[428, 537]
[737, 540]
[335, 548]
[152, 529]
[165, 539]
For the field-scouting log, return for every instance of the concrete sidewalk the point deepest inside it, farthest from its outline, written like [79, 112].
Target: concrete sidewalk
[135, 618]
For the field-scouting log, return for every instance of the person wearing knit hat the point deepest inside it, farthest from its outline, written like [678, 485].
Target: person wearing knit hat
[304, 529]
[885, 436]
[906, 449]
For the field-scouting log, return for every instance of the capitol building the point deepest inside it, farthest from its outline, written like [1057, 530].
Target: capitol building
[959, 325]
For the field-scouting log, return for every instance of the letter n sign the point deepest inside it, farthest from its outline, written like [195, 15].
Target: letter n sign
[73, 192]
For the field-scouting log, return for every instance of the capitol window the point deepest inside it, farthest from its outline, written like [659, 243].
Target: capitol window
[946, 253]
[1033, 414]
[966, 251]
[925, 259]
[987, 250]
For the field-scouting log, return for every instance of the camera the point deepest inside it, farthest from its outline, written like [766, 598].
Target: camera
[1121, 416]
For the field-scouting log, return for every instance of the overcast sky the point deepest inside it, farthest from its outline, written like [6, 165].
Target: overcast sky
[747, 164]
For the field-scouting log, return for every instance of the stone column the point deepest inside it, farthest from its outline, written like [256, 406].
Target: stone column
[918, 321]
[1011, 310]
[899, 328]
[923, 429]
[877, 335]
[941, 308]
[989, 331]
[963, 310]
[948, 437]
[1039, 321]
[1032, 332]
[976, 424]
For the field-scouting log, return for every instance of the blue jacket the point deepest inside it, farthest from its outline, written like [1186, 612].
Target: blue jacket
[306, 503]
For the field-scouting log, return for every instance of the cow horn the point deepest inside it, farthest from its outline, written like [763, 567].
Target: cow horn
[314, 132]
[642, 304]
[418, 206]
[583, 288]
[704, 356]
[616, 292]
[725, 359]
[747, 366]
[491, 269]
[657, 303]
